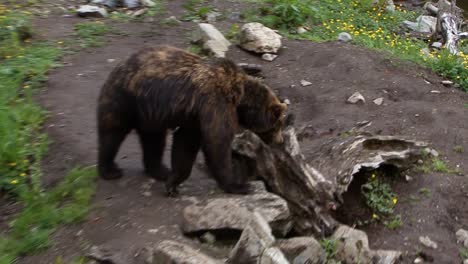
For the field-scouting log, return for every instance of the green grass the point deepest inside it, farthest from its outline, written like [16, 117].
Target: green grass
[464, 253]
[425, 192]
[370, 26]
[23, 69]
[196, 10]
[436, 165]
[394, 222]
[91, 33]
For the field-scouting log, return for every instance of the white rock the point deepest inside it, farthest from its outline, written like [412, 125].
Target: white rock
[131, 3]
[257, 38]
[462, 237]
[356, 98]
[273, 256]
[466, 261]
[345, 37]
[213, 40]
[437, 45]
[418, 260]
[447, 82]
[423, 24]
[269, 57]
[378, 101]
[426, 241]
[435, 92]
[139, 12]
[287, 101]
[302, 250]
[305, 83]
[301, 30]
[91, 11]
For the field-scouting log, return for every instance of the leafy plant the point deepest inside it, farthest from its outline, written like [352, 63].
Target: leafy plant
[394, 222]
[458, 149]
[329, 245]
[379, 196]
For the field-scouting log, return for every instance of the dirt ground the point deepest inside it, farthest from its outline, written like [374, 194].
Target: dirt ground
[126, 220]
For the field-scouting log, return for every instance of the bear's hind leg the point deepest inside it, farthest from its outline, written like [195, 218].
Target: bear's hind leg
[109, 143]
[153, 144]
[184, 152]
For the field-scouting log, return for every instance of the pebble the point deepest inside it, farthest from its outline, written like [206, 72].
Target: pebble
[378, 101]
[356, 98]
[435, 92]
[269, 57]
[426, 241]
[418, 260]
[447, 82]
[305, 83]
[345, 37]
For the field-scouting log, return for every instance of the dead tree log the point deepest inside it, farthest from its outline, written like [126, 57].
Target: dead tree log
[313, 193]
[449, 21]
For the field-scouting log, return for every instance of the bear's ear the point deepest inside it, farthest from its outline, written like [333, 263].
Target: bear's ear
[279, 110]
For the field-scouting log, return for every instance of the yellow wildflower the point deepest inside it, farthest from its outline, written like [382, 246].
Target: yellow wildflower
[395, 200]
[14, 182]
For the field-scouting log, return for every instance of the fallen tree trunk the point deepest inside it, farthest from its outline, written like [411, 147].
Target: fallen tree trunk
[449, 20]
[313, 193]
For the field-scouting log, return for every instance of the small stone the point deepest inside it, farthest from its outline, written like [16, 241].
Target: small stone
[462, 237]
[269, 57]
[172, 20]
[208, 238]
[426, 241]
[431, 152]
[305, 83]
[447, 82]
[110, 60]
[356, 98]
[286, 101]
[416, 115]
[175, 252]
[153, 231]
[378, 101]
[213, 40]
[301, 30]
[345, 37]
[147, 194]
[418, 260]
[435, 92]
[436, 45]
[408, 178]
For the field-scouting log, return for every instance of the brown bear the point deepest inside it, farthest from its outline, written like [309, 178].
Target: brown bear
[205, 102]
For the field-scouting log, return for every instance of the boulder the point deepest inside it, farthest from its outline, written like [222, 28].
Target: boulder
[386, 256]
[352, 245]
[302, 250]
[235, 213]
[91, 11]
[257, 38]
[255, 239]
[423, 24]
[213, 40]
[172, 252]
[273, 256]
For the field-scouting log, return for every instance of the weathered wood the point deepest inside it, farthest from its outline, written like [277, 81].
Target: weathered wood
[313, 193]
[449, 21]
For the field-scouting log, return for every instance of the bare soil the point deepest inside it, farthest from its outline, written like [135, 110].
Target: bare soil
[125, 219]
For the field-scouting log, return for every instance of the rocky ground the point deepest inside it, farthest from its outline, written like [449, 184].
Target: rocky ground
[317, 78]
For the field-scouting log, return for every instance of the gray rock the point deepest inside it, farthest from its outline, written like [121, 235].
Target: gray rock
[345, 37]
[105, 254]
[255, 239]
[356, 98]
[213, 40]
[235, 213]
[465, 261]
[91, 11]
[423, 24]
[273, 256]
[305, 83]
[378, 101]
[257, 38]
[172, 252]
[172, 20]
[139, 12]
[462, 237]
[437, 45]
[386, 257]
[302, 250]
[352, 245]
[418, 260]
[269, 57]
[131, 3]
[426, 241]
[147, 3]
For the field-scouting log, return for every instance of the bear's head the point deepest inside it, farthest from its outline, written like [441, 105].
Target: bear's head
[261, 111]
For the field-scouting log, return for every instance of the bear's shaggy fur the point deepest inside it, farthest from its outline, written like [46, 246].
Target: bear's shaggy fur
[205, 102]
